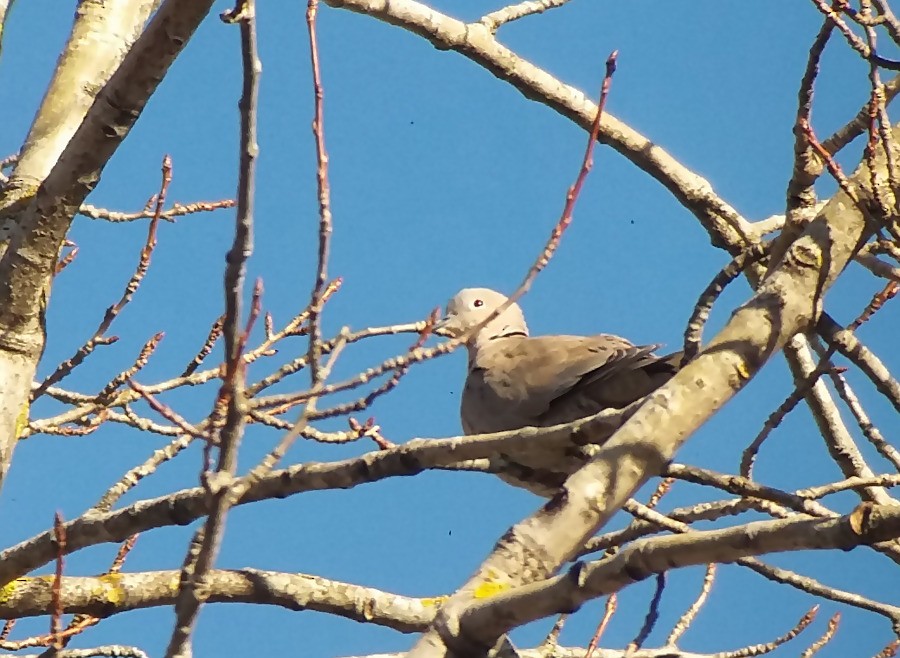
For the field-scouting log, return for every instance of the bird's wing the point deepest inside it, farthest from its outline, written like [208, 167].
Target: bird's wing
[533, 372]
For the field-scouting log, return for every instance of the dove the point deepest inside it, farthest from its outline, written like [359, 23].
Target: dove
[515, 380]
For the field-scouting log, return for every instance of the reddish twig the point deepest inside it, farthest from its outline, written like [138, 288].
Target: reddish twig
[758, 649]
[59, 533]
[661, 490]
[878, 301]
[66, 260]
[141, 361]
[131, 287]
[855, 42]
[685, 621]
[574, 191]
[550, 247]
[255, 310]
[7, 627]
[122, 553]
[166, 411]
[826, 636]
[833, 167]
[78, 625]
[608, 611]
[214, 333]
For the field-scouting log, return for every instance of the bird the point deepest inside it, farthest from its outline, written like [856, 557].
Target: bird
[516, 380]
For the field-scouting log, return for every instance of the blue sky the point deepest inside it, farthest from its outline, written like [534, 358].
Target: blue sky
[442, 177]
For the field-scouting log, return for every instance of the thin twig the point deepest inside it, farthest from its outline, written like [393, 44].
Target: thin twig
[651, 618]
[865, 424]
[143, 357]
[514, 12]
[758, 649]
[861, 356]
[853, 40]
[130, 288]
[166, 411]
[138, 473]
[826, 636]
[205, 547]
[177, 210]
[801, 193]
[59, 530]
[694, 331]
[684, 622]
[324, 193]
[66, 260]
[215, 331]
[750, 453]
[608, 610]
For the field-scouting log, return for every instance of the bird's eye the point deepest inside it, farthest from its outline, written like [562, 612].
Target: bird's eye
[478, 303]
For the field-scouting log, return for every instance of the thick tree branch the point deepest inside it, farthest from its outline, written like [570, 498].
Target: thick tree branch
[186, 506]
[101, 36]
[868, 524]
[27, 266]
[104, 596]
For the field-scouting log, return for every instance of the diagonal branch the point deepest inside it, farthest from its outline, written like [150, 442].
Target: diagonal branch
[865, 525]
[726, 227]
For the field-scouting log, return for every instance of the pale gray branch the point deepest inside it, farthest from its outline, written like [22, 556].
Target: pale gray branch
[488, 618]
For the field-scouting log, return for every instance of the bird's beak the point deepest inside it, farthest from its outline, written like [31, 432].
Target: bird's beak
[447, 326]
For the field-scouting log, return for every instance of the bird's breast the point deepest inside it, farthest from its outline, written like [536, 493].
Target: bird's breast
[489, 404]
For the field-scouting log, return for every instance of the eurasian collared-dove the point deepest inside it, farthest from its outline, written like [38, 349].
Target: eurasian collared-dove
[517, 381]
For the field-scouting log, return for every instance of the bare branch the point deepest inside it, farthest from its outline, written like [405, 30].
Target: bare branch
[192, 591]
[514, 12]
[645, 557]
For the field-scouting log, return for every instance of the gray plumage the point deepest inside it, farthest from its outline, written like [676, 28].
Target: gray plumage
[515, 380]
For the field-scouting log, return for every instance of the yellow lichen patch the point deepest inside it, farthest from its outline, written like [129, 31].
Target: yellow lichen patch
[9, 589]
[16, 198]
[22, 420]
[742, 369]
[109, 587]
[434, 601]
[490, 588]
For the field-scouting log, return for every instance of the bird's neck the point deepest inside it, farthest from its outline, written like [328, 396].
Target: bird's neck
[483, 343]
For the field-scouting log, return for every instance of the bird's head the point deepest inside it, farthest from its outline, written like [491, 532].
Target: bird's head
[471, 306]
